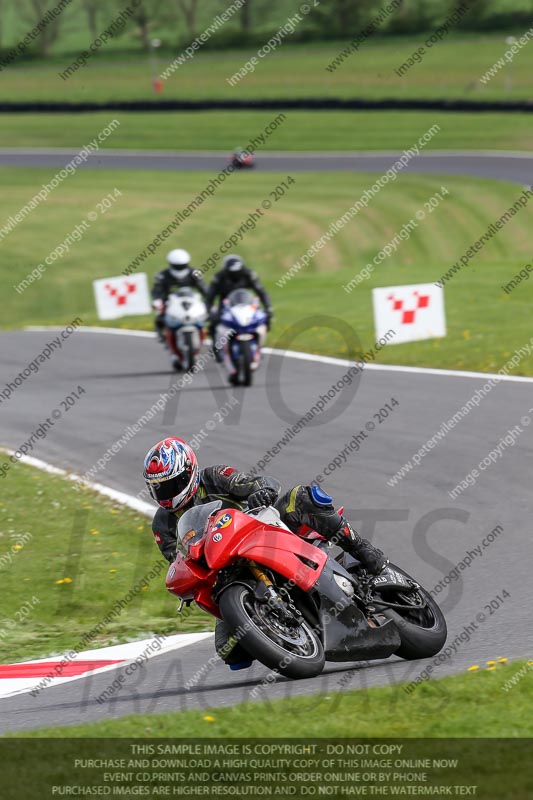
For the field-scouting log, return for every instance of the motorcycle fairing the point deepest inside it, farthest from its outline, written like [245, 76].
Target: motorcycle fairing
[190, 581]
[184, 577]
[270, 546]
[345, 627]
[392, 579]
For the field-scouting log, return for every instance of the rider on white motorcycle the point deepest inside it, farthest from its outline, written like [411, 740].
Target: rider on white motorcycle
[176, 482]
[185, 316]
[178, 275]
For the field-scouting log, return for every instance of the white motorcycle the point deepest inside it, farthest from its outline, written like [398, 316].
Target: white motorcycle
[185, 318]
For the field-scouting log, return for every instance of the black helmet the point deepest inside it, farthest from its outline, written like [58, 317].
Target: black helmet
[233, 265]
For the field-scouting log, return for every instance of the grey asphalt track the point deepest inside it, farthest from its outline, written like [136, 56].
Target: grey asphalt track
[415, 522]
[515, 167]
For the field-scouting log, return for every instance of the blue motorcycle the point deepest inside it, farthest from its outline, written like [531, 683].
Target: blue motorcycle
[240, 335]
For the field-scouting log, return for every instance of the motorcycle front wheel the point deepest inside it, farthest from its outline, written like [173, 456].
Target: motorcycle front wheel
[245, 362]
[188, 351]
[288, 646]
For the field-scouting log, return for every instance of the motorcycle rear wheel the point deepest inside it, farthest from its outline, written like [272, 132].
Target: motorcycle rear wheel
[294, 651]
[423, 631]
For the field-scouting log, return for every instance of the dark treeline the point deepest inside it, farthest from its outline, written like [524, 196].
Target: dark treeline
[176, 23]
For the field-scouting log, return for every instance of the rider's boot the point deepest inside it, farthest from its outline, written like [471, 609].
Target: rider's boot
[370, 557]
[229, 650]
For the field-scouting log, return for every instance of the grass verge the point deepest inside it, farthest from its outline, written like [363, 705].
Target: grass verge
[71, 554]
[485, 324]
[301, 130]
[451, 69]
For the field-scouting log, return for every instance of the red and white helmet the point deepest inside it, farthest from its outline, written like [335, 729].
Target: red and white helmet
[171, 473]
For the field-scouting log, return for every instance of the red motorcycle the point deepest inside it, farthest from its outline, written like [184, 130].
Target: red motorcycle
[241, 159]
[292, 602]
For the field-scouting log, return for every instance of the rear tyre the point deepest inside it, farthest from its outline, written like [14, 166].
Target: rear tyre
[422, 631]
[292, 649]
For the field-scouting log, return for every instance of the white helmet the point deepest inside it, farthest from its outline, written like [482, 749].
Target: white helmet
[179, 258]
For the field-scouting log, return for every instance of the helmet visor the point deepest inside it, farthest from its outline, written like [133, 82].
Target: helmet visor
[166, 490]
[180, 272]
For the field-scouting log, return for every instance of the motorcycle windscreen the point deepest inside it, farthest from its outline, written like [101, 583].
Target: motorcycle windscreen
[241, 297]
[192, 525]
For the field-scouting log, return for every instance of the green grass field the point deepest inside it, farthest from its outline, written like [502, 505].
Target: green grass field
[301, 130]
[84, 554]
[485, 325]
[450, 70]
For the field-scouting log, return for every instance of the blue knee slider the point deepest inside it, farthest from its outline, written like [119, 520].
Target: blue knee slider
[319, 496]
[241, 665]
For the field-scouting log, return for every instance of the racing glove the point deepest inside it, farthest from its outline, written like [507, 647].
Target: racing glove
[263, 497]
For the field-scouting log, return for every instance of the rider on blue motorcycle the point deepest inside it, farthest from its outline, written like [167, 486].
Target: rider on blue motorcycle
[234, 275]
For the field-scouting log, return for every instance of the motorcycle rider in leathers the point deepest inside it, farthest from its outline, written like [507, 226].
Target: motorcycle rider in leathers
[176, 483]
[178, 275]
[234, 274]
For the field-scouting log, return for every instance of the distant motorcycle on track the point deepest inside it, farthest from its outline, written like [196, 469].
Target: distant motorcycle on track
[241, 159]
[185, 318]
[240, 335]
[294, 603]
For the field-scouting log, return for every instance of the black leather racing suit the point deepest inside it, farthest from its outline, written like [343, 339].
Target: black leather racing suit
[169, 280]
[301, 506]
[225, 282]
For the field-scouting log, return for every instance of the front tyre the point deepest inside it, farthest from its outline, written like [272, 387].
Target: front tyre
[291, 648]
[245, 362]
[188, 351]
